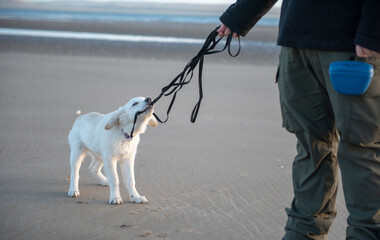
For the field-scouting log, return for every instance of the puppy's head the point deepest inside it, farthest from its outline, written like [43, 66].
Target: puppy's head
[125, 116]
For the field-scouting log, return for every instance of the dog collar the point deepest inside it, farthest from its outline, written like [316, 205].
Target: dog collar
[126, 135]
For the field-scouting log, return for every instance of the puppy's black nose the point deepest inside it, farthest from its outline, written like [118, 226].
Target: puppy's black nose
[148, 100]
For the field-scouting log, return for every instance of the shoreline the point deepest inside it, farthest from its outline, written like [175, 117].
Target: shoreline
[258, 47]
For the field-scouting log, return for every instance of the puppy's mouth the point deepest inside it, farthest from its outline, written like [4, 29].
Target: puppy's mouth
[148, 108]
[147, 111]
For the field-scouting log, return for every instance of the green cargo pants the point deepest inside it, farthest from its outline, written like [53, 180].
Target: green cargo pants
[330, 128]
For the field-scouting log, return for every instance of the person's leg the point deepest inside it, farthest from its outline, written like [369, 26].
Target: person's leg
[358, 122]
[308, 114]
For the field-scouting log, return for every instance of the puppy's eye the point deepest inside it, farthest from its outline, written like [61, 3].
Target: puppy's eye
[134, 104]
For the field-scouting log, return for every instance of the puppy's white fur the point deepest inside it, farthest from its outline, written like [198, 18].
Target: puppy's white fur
[102, 137]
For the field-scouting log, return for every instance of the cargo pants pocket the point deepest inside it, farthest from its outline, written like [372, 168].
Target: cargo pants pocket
[358, 117]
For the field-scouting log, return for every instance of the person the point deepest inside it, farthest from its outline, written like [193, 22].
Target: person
[330, 127]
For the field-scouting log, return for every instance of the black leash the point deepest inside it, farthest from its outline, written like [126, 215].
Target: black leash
[186, 75]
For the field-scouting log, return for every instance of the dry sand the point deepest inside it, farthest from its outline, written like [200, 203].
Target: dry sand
[228, 176]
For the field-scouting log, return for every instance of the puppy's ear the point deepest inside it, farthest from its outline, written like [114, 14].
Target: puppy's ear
[113, 121]
[152, 121]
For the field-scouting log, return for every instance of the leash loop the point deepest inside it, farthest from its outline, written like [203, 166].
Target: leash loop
[187, 74]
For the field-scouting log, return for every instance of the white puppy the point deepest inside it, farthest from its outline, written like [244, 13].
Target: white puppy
[106, 138]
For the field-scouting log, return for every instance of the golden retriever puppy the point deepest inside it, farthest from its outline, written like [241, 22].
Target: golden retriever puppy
[106, 138]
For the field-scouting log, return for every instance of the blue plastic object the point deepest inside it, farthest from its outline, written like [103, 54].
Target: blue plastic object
[351, 77]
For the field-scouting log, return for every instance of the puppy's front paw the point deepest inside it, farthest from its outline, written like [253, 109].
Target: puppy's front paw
[73, 193]
[139, 199]
[116, 201]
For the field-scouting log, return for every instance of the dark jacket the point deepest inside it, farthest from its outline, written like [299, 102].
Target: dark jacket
[336, 25]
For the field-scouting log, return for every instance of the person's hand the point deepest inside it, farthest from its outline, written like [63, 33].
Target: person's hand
[225, 31]
[364, 52]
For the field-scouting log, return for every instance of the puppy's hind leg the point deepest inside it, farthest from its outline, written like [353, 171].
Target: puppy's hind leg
[76, 157]
[95, 167]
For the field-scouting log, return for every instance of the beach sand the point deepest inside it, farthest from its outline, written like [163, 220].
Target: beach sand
[228, 176]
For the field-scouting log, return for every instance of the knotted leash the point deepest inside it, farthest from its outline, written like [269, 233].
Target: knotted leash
[186, 76]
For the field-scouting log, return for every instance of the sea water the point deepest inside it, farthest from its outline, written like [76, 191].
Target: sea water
[98, 15]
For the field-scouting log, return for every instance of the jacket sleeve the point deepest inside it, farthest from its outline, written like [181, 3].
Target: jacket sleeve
[241, 16]
[368, 32]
